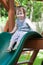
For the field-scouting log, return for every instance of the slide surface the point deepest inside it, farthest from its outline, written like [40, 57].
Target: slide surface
[7, 58]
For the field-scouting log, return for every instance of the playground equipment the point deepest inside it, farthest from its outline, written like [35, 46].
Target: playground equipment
[31, 40]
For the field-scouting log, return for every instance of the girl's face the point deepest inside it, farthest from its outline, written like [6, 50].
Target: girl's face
[20, 13]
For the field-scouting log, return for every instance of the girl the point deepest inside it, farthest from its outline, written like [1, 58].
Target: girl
[22, 26]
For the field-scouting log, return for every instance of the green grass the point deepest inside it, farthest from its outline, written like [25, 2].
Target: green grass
[37, 61]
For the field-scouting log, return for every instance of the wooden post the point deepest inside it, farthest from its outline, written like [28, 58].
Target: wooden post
[9, 6]
[6, 28]
[32, 59]
[11, 15]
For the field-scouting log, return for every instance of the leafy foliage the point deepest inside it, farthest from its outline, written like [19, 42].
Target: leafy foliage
[37, 8]
[3, 11]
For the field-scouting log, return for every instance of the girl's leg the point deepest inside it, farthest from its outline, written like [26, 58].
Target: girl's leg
[21, 33]
[14, 39]
[11, 45]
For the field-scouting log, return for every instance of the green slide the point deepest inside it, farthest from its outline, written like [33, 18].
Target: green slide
[7, 58]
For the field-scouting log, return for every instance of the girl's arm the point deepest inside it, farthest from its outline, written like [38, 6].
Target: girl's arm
[14, 29]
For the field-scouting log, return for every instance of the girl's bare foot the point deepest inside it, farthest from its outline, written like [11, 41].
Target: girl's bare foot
[9, 49]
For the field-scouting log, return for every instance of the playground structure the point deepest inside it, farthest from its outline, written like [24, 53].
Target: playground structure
[9, 6]
[30, 41]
